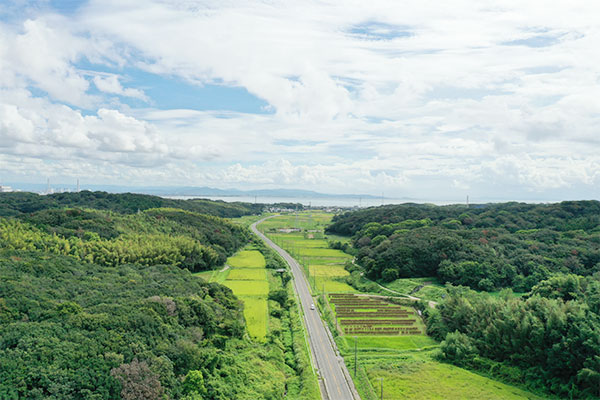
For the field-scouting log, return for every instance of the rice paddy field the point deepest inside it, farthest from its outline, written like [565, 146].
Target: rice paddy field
[302, 236]
[245, 274]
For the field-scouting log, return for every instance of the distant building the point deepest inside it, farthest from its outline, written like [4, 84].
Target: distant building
[5, 189]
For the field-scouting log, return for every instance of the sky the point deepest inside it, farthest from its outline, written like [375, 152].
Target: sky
[498, 100]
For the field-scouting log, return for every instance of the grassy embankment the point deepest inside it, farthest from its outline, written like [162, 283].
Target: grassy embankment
[323, 266]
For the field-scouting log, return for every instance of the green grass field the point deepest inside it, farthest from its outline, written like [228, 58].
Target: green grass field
[331, 285]
[327, 270]
[218, 276]
[256, 315]
[411, 342]
[247, 259]
[247, 274]
[432, 290]
[410, 371]
[423, 378]
[248, 288]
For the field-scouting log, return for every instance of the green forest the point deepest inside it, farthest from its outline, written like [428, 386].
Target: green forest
[16, 203]
[98, 301]
[547, 339]
[487, 247]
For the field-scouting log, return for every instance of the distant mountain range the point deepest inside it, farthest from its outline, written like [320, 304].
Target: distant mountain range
[203, 191]
[213, 192]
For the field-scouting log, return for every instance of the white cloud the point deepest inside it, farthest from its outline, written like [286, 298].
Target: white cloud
[366, 96]
[111, 84]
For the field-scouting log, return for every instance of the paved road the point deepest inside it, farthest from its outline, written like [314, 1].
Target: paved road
[331, 367]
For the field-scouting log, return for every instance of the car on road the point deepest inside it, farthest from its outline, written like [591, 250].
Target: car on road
[312, 306]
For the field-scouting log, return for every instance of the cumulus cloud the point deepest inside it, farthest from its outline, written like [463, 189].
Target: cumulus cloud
[364, 96]
[111, 84]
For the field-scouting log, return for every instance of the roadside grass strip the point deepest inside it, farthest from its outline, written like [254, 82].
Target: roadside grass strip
[247, 274]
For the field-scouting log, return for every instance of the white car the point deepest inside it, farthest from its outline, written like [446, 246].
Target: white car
[312, 306]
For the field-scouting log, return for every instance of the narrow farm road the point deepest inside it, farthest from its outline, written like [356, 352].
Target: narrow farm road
[336, 380]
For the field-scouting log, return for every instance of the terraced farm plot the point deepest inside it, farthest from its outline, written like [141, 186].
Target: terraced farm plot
[247, 259]
[256, 315]
[247, 274]
[248, 288]
[329, 270]
[247, 278]
[362, 315]
[331, 285]
[321, 252]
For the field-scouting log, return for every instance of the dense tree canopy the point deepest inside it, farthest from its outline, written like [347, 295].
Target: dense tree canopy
[549, 339]
[16, 203]
[65, 325]
[485, 247]
[155, 236]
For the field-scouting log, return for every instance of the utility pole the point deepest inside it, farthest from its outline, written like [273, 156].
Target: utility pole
[355, 357]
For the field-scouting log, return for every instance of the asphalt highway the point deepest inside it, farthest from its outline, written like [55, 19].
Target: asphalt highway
[331, 367]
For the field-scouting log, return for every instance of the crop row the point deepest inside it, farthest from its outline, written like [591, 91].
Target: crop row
[377, 321]
[380, 329]
[370, 315]
[384, 331]
[382, 309]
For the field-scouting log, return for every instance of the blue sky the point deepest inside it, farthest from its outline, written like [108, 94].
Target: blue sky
[415, 100]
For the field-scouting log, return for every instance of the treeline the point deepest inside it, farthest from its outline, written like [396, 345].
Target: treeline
[157, 236]
[16, 203]
[485, 247]
[564, 216]
[70, 330]
[549, 340]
